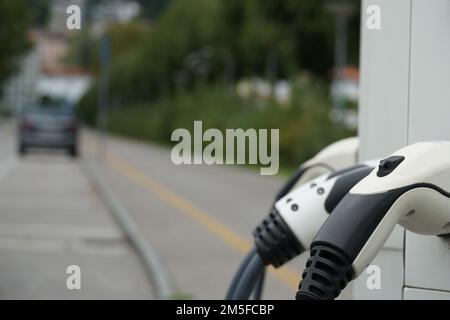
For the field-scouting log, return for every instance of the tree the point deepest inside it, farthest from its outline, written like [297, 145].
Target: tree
[153, 8]
[39, 11]
[263, 38]
[14, 22]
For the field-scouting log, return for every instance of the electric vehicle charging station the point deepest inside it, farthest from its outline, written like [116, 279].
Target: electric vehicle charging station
[405, 98]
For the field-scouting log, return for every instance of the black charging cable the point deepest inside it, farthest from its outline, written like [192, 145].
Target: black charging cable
[239, 272]
[249, 278]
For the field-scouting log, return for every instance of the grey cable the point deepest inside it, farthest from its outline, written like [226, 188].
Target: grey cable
[249, 278]
[257, 294]
[259, 283]
[238, 273]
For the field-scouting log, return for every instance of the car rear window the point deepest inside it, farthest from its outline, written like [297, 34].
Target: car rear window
[56, 110]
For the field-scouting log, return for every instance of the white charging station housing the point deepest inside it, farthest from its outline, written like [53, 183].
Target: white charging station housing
[405, 98]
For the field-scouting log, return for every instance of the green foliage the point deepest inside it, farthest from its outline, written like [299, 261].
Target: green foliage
[125, 38]
[305, 127]
[272, 38]
[5, 112]
[39, 11]
[300, 33]
[171, 75]
[87, 107]
[14, 21]
[153, 8]
[186, 27]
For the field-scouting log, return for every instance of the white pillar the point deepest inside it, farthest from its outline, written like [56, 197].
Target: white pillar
[405, 98]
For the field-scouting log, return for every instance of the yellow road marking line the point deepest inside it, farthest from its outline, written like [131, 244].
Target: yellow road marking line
[183, 205]
[287, 276]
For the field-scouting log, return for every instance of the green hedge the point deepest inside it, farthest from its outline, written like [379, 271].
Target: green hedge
[305, 127]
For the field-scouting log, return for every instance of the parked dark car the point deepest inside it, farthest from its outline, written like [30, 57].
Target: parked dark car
[48, 126]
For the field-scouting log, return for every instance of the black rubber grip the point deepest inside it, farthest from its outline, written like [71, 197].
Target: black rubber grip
[327, 273]
[274, 240]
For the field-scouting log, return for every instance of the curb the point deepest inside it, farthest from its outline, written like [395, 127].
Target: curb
[152, 263]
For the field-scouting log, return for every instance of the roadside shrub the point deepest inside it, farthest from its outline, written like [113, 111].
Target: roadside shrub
[305, 127]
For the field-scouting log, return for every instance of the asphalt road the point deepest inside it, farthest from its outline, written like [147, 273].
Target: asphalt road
[197, 218]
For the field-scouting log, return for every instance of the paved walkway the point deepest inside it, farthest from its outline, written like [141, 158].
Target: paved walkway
[51, 218]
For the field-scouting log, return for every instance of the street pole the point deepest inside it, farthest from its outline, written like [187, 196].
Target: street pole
[103, 96]
[340, 53]
[341, 10]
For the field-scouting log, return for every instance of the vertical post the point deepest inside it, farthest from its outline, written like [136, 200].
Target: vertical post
[103, 96]
[341, 11]
[340, 53]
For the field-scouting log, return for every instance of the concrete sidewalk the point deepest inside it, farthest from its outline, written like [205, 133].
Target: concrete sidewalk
[51, 218]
